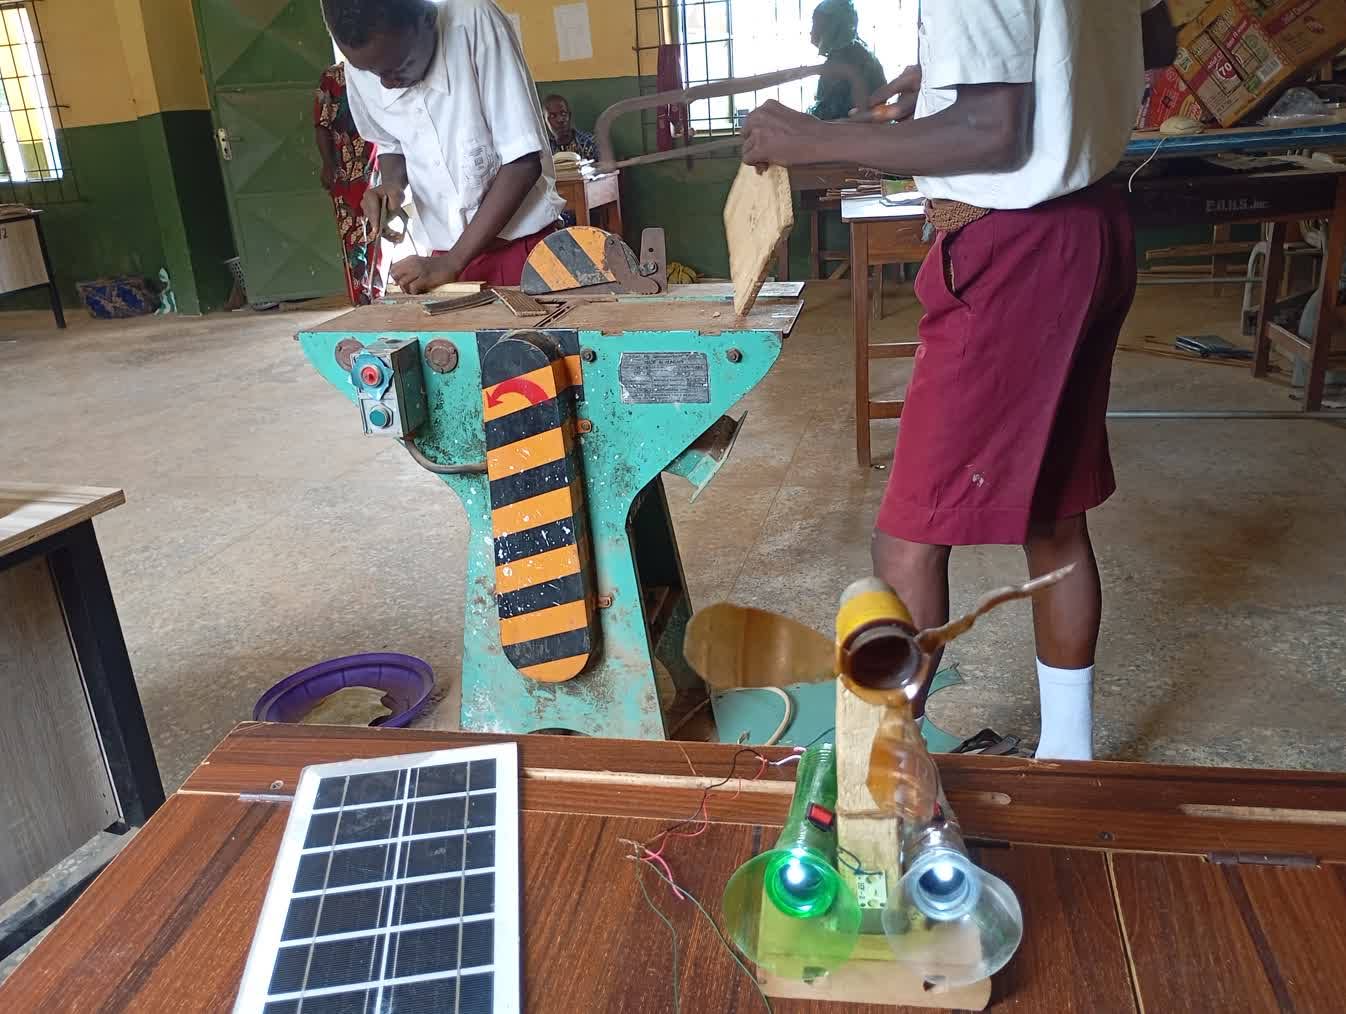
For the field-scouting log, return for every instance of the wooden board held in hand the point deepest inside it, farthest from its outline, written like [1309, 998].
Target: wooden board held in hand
[757, 216]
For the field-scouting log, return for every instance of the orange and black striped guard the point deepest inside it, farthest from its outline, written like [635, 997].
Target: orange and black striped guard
[567, 259]
[543, 572]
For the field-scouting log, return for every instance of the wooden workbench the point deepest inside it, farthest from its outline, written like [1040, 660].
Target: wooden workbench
[1143, 887]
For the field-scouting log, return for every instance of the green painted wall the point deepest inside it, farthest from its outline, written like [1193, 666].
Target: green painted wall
[112, 228]
[150, 197]
[207, 238]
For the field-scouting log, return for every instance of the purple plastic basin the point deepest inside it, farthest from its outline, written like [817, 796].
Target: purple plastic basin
[406, 682]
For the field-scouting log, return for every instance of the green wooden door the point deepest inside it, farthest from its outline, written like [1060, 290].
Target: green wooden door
[263, 59]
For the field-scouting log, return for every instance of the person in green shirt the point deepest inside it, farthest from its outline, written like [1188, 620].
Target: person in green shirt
[835, 33]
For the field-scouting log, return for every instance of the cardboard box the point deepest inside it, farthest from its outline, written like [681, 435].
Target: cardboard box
[1305, 31]
[1167, 94]
[1182, 11]
[1238, 54]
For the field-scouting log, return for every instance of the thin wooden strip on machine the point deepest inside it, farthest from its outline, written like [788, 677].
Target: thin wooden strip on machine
[1189, 945]
[30, 512]
[521, 304]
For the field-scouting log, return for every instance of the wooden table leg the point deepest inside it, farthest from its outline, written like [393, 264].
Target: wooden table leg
[1271, 288]
[783, 260]
[91, 618]
[582, 208]
[815, 242]
[860, 313]
[1325, 332]
[54, 290]
[614, 221]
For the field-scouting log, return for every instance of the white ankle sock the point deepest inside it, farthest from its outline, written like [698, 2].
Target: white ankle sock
[1067, 697]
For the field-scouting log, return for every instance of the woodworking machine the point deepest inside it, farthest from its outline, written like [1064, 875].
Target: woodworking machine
[555, 432]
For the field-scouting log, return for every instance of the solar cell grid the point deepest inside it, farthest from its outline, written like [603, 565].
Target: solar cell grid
[395, 890]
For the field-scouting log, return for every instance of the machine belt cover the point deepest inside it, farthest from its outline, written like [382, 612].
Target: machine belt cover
[543, 558]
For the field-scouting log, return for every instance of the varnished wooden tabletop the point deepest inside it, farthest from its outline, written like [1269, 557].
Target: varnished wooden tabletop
[1143, 887]
[30, 512]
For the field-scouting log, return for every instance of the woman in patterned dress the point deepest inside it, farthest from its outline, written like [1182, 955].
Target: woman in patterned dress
[348, 169]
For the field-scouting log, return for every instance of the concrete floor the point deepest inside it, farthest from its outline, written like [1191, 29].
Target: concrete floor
[263, 533]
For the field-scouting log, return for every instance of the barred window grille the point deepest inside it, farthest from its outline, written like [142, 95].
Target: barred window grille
[33, 164]
[721, 39]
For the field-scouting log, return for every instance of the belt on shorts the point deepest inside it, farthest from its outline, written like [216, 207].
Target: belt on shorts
[950, 216]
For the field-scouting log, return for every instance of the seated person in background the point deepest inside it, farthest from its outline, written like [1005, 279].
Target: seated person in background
[444, 92]
[564, 136]
[835, 26]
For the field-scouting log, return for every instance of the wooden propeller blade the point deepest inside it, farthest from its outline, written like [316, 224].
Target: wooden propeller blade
[935, 638]
[734, 646]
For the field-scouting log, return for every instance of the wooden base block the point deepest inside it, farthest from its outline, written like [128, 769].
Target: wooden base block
[878, 982]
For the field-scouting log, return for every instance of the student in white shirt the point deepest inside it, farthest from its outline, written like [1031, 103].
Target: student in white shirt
[1017, 111]
[445, 93]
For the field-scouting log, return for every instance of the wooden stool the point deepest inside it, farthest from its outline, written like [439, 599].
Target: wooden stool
[879, 235]
[1319, 349]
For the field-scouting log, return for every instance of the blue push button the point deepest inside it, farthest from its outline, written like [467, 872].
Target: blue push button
[380, 418]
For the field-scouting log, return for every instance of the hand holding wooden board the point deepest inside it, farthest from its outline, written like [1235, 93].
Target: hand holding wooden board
[757, 216]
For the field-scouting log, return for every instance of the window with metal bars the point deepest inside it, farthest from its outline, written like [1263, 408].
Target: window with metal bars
[33, 166]
[720, 39]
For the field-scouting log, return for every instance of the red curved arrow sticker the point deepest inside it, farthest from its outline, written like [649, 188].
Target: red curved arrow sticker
[517, 385]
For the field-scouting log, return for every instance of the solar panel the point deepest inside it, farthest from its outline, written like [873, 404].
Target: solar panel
[396, 890]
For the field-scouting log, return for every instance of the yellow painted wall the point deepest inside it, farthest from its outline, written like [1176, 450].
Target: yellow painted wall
[612, 27]
[116, 60]
[88, 66]
[170, 32]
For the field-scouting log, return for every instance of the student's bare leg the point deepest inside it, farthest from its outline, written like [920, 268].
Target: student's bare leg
[1065, 626]
[920, 576]
[1066, 616]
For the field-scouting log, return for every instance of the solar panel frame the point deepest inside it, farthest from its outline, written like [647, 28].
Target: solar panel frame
[498, 803]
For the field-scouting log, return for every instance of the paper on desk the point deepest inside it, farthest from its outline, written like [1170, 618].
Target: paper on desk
[573, 41]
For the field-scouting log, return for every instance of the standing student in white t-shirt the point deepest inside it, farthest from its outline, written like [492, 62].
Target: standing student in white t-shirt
[444, 92]
[1016, 112]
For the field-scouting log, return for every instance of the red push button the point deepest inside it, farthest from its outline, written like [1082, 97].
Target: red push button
[820, 817]
[371, 374]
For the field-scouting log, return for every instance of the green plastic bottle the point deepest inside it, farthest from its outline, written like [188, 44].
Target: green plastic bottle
[788, 909]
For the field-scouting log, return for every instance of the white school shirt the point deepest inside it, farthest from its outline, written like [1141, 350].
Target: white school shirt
[475, 110]
[1086, 63]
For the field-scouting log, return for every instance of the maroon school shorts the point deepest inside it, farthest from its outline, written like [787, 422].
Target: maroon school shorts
[502, 263]
[1005, 415]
